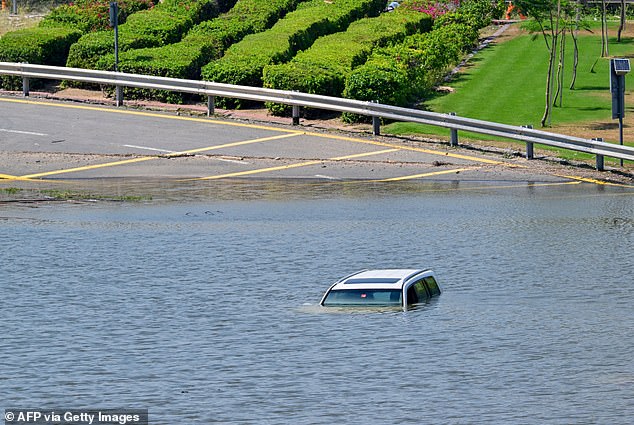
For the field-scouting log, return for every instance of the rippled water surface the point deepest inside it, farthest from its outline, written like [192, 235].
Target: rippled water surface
[204, 311]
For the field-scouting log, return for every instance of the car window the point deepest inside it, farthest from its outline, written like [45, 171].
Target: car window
[364, 297]
[412, 296]
[433, 286]
[421, 290]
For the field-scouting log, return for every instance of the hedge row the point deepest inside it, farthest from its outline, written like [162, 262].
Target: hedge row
[324, 67]
[91, 15]
[163, 24]
[203, 43]
[400, 74]
[50, 41]
[244, 61]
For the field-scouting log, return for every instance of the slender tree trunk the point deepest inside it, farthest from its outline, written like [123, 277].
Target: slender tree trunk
[604, 29]
[559, 94]
[622, 22]
[575, 58]
[546, 118]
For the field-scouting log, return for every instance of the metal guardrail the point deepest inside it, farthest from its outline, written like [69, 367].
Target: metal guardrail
[297, 100]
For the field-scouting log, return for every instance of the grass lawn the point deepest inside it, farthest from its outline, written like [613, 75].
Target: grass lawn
[506, 83]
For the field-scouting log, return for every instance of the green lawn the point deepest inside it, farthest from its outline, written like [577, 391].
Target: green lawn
[506, 83]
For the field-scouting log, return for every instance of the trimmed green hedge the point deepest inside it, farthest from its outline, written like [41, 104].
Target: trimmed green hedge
[401, 74]
[244, 61]
[324, 67]
[91, 15]
[164, 24]
[50, 41]
[35, 45]
[203, 43]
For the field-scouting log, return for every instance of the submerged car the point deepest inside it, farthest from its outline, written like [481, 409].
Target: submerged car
[383, 288]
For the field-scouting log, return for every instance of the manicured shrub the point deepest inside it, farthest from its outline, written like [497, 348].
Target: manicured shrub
[163, 24]
[384, 78]
[91, 15]
[204, 42]
[244, 61]
[323, 68]
[402, 73]
[50, 42]
[475, 13]
[35, 45]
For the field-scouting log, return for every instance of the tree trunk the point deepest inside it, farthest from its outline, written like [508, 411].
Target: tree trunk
[554, 28]
[622, 22]
[604, 30]
[559, 94]
[575, 59]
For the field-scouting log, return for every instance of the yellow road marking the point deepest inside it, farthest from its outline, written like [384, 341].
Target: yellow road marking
[360, 155]
[148, 158]
[296, 165]
[414, 149]
[595, 181]
[87, 167]
[260, 127]
[435, 173]
[9, 177]
[289, 132]
[148, 114]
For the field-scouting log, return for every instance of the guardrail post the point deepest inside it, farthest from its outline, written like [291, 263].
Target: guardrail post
[211, 105]
[376, 123]
[295, 114]
[25, 86]
[453, 141]
[119, 95]
[530, 154]
[600, 159]
[376, 126]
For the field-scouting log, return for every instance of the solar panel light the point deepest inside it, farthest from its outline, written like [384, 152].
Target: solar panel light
[621, 66]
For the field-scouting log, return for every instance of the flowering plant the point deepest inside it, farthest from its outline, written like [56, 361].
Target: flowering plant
[433, 8]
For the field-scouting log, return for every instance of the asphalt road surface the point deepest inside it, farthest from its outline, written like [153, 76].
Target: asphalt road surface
[53, 141]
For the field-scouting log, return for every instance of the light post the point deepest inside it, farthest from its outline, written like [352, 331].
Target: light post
[618, 69]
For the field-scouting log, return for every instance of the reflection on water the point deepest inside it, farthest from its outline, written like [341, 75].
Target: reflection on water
[205, 310]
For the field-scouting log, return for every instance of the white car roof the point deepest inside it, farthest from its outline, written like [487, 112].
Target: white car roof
[377, 279]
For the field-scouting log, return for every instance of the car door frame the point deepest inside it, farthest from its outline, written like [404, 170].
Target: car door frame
[410, 283]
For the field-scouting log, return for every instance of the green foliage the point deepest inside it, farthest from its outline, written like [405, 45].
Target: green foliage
[163, 24]
[402, 73]
[508, 79]
[476, 13]
[204, 42]
[174, 60]
[35, 45]
[244, 61]
[91, 15]
[323, 68]
[49, 43]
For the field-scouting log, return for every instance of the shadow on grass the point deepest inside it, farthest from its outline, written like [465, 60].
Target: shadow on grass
[591, 88]
[589, 108]
[606, 126]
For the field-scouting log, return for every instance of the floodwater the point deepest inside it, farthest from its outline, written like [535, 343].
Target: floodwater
[204, 311]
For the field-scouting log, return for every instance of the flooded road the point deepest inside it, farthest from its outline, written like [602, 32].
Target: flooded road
[204, 310]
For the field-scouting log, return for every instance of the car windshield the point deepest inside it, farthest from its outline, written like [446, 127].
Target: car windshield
[364, 297]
